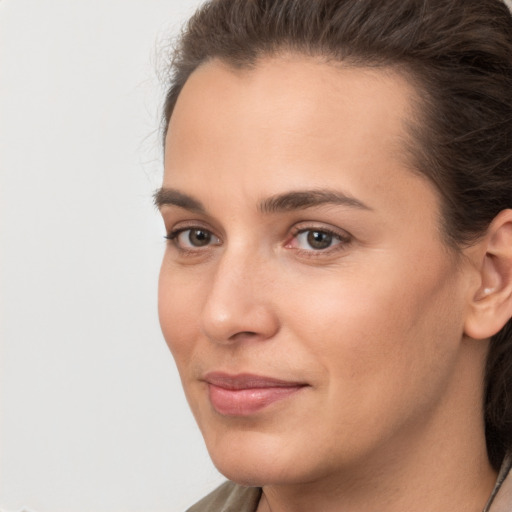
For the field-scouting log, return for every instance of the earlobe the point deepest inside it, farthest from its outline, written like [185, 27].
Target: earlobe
[491, 305]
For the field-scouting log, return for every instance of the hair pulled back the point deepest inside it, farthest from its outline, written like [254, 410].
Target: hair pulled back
[457, 53]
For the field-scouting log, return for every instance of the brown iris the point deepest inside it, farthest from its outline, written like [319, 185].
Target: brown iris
[319, 239]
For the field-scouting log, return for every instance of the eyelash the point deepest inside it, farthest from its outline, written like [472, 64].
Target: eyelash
[342, 240]
[173, 236]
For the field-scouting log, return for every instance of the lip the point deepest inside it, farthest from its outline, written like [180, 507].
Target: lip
[246, 394]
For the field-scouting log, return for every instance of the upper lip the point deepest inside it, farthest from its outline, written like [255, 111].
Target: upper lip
[247, 381]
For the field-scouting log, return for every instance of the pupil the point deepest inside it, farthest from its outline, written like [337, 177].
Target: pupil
[319, 240]
[199, 238]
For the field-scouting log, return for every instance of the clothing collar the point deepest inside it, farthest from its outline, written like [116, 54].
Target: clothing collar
[501, 497]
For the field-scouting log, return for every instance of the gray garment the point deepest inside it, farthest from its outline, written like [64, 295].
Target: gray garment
[231, 497]
[501, 497]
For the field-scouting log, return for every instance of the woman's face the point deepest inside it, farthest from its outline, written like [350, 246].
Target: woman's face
[313, 310]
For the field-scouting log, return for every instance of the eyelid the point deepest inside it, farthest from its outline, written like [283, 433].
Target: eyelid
[343, 236]
[183, 225]
[303, 226]
[174, 233]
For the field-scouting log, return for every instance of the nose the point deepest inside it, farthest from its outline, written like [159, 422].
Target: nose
[239, 305]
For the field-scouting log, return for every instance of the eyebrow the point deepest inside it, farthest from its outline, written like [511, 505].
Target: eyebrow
[169, 196]
[289, 201]
[302, 199]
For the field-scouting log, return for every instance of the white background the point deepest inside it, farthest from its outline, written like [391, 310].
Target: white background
[92, 413]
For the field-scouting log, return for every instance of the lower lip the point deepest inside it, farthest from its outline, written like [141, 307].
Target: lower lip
[244, 402]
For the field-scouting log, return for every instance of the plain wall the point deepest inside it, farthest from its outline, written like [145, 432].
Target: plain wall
[92, 412]
[92, 416]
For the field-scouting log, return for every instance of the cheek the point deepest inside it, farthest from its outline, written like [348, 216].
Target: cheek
[380, 329]
[383, 354]
[177, 311]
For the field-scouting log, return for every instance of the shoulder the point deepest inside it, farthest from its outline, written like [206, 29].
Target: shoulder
[229, 497]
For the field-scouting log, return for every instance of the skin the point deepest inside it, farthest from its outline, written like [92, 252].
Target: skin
[390, 416]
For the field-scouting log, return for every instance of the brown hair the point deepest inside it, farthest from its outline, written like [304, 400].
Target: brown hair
[458, 54]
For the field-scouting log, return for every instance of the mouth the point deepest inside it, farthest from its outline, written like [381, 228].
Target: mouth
[246, 394]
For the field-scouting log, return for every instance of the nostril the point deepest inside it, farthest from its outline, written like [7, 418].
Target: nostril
[243, 334]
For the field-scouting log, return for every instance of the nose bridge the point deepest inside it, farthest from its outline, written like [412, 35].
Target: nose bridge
[239, 300]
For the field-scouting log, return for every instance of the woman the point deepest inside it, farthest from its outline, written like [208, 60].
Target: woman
[337, 286]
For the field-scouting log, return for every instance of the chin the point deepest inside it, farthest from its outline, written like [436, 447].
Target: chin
[244, 457]
[245, 476]
[252, 473]
[254, 459]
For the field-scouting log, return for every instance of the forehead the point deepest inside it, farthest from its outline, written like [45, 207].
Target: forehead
[290, 121]
[297, 96]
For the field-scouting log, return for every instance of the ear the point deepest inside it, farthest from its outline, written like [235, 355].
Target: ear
[491, 305]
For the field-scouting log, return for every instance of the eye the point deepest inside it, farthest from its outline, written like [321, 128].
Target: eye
[316, 240]
[193, 238]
